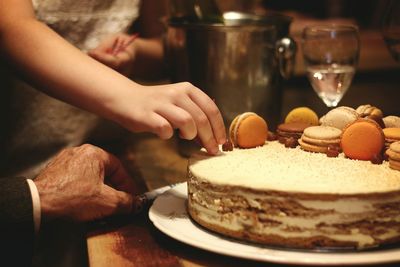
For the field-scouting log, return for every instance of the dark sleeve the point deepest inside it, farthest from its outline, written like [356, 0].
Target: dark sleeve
[16, 221]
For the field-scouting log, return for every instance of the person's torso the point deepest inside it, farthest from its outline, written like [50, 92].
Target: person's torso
[85, 23]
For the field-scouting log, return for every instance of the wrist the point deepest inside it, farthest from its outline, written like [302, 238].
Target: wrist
[123, 107]
[46, 209]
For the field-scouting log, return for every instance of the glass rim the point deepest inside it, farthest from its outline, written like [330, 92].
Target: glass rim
[337, 27]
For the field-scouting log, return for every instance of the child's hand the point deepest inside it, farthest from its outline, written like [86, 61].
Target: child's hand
[163, 108]
[116, 52]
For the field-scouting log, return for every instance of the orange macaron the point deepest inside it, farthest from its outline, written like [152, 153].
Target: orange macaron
[362, 139]
[248, 130]
[392, 135]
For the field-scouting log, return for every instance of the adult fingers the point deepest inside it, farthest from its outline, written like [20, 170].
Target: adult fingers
[121, 180]
[212, 112]
[116, 175]
[115, 201]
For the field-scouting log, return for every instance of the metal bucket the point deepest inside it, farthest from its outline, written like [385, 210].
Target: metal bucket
[240, 63]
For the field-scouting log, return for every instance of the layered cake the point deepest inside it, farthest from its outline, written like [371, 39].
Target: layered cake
[291, 197]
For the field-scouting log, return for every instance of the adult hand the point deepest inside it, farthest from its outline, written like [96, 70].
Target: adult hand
[161, 109]
[79, 185]
[113, 53]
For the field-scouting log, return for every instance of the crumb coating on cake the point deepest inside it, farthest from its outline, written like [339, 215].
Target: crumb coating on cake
[274, 167]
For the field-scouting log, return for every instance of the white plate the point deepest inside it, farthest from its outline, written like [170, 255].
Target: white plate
[169, 215]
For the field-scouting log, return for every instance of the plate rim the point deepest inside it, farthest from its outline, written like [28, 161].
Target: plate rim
[280, 256]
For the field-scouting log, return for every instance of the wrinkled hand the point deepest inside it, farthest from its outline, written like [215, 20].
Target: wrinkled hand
[72, 185]
[107, 53]
[161, 109]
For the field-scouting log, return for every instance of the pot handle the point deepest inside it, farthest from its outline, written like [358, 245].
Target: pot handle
[285, 50]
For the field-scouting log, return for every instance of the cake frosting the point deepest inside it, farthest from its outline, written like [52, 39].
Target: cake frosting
[289, 197]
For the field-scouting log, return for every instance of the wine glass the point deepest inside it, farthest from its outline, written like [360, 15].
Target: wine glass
[330, 55]
[391, 28]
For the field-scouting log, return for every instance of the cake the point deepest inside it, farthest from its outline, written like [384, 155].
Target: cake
[293, 198]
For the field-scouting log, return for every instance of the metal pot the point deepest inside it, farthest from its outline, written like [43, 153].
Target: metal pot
[239, 63]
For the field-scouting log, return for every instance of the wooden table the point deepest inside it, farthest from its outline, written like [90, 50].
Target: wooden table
[135, 241]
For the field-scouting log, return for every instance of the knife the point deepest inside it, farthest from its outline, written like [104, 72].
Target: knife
[146, 198]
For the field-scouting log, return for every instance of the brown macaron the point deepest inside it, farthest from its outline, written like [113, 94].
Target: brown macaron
[248, 130]
[319, 138]
[290, 129]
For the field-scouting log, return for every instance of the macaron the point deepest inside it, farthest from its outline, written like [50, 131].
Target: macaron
[391, 121]
[302, 114]
[371, 112]
[394, 155]
[290, 130]
[367, 110]
[392, 135]
[319, 138]
[362, 139]
[248, 130]
[339, 117]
